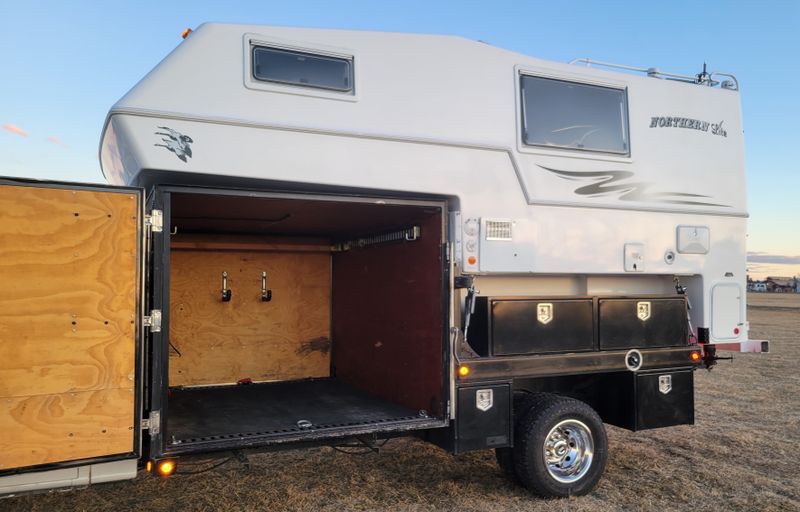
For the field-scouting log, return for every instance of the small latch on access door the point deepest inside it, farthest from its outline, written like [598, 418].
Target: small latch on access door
[226, 292]
[266, 295]
[634, 257]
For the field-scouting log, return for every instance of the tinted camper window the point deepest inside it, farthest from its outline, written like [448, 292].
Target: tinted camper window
[561, 114]
[304, 69]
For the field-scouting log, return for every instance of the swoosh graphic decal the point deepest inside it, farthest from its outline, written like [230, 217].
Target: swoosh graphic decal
[608, 183]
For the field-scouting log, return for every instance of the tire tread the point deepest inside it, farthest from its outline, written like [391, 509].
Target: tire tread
[505, 456]
[529, 466]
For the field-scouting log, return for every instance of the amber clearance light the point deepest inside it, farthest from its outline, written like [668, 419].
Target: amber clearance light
[463, 371]
[695, 356]
[166, 467]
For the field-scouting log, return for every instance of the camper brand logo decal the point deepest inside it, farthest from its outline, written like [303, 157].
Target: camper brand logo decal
[484, 399]
[665, 384]
[176, 142]
[544, 312]
[691, 124]
[607, 183]
[643, 310]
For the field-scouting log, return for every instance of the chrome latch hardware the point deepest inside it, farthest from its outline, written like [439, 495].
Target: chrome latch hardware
[155, 221]
[226, 293]
[266, 295]
[152, 423]
[153, 321]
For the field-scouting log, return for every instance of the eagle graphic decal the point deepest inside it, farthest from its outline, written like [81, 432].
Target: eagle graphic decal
[176, 142]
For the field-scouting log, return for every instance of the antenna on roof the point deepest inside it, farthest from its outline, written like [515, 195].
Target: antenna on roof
[704, 77]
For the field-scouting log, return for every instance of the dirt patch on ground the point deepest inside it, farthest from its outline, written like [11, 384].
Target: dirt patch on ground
[741, 455]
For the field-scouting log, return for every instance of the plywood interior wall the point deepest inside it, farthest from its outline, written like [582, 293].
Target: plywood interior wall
[68, 269]
[216, 342]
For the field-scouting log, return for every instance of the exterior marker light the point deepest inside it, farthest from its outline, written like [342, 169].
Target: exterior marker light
[166, 467]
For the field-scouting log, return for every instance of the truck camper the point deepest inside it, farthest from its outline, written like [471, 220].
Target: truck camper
[324, 236]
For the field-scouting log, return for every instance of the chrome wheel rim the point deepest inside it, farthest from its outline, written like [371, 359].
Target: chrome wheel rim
[568, 451]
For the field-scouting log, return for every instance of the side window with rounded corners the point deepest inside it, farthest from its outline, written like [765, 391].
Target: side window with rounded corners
[572, 115]
[303, 69]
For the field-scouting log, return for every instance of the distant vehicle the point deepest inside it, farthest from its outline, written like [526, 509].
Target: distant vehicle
[328, 236]
[759, 287]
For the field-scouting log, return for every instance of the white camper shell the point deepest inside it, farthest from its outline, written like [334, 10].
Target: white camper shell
[445, 116]
[315, 235]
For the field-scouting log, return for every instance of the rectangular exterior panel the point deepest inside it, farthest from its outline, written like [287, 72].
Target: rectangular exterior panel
[501, 249]
[664, 399]
[693, 239]
[483, 417]
[541, 326]
[79, 476]
[726, 310]
[642, 323]
[69, 265]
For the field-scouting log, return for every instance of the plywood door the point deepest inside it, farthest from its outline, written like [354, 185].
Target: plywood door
[216, 342]
[68, 275]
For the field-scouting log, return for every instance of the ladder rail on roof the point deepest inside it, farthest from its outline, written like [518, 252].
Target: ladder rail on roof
[702, 78]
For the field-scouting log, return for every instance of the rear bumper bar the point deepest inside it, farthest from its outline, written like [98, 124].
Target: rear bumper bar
[744, 346]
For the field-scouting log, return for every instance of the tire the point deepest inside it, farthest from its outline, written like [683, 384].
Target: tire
[560, 448]
[505, 456]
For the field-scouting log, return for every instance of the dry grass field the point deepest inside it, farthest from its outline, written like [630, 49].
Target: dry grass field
[742, 454]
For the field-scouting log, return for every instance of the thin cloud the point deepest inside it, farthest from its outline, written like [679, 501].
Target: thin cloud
[16, 130]
[55, 140]
[763, 257]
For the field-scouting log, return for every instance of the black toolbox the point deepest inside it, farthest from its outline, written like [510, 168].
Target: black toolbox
[503, 326]
[642, 322]
[508, 326]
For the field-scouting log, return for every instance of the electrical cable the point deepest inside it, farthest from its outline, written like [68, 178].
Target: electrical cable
[197, 472]
[367, 448]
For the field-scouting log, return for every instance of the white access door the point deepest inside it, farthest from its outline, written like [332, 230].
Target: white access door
[727, 311]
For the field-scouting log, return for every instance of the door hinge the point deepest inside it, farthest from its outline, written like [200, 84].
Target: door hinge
[155, 221]
[153, 321]
[152, 422]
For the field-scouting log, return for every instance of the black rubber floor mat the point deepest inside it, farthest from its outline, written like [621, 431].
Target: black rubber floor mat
[274, 408]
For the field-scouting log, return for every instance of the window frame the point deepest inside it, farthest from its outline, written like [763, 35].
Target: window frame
[577, 79]
[318, 55]
[251, 41]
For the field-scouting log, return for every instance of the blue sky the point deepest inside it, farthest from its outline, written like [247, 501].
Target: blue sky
[63, 64]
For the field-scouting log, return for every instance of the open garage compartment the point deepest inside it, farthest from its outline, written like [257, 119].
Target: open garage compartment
[293, 317]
